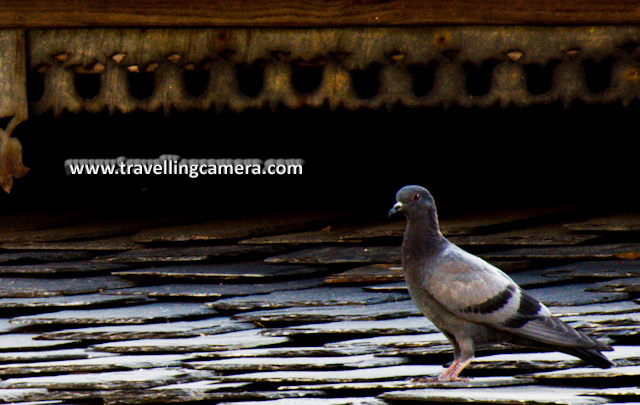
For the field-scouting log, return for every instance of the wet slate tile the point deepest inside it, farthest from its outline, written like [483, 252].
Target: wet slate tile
[618, 395]
[134, 379]
[219, 290]
[248, 364]
[340, 255]
[398, 309]
[575, 294]
[629, 322]
[17, 287]
[82, 300]
[237, 228]
[226, 341]
[43, 256]
[172, 393]
[26, 342]
[246, 271]
[608, 251]
[27, 356]
[171, 330]
[93, 365]
[621, 222]
[404, 325]
[373, 273]
[66, 268]
[107, 244]
[478, 382]
[131, 315]
[323, 296]
[534, 395]
[188, 254]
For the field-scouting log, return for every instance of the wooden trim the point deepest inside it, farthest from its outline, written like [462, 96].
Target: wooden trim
[312, 13]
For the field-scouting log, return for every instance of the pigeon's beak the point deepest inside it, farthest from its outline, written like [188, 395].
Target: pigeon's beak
[395, 209]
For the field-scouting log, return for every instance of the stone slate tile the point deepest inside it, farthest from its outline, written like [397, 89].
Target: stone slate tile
[226, 341]
[621, 222]
[400, 372]
[588, 372]
[629, 285]
[621, 355]
[347, 233]
[24, 287]
[81, 300]
[188, 254]
[93, 365]
[478, 382]
[543, 235]
[605, 269]
[385, 343]
[177, 329]
[373, 273]
[25, 342]
[134, 379]
[408, 325]
[219, 290]
[108, 244]
[247, 271]
[340, 255]
[532, 394]
[66, 268]
[191, 395]
[44, 256]
[248, 364]
[247, 226]
[286, 351]
[575, 294]
[323, 296]
[313, 401]
[608, 251]
[615, 307]
[17, 395]
[391, 310]
[89, 229]
[132, 315]
[26, 356]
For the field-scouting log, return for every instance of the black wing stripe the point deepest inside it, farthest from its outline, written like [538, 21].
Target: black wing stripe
[494, 303]
[527, 310]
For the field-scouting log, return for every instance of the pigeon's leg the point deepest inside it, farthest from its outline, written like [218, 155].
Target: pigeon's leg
[456, 358]
[463, 356]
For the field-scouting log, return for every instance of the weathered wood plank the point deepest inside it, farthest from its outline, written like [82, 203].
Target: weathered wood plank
[265, 13]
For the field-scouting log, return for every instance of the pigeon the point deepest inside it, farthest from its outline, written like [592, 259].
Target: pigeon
[473, 302]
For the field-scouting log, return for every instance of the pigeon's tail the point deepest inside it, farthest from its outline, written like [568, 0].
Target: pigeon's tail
[591, 356]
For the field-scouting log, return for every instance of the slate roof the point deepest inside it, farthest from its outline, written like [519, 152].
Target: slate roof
[299, 308]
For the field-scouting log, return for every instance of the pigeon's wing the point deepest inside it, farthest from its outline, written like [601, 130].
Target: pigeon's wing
[476, 291]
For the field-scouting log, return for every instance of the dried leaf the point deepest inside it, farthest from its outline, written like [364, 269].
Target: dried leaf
[10, 161]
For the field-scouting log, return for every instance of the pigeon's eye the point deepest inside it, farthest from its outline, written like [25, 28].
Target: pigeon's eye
[415, 197]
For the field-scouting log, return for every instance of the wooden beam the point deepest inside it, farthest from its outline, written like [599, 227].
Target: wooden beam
[312, 13]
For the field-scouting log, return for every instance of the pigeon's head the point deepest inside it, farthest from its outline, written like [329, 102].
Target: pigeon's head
[413, 202]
